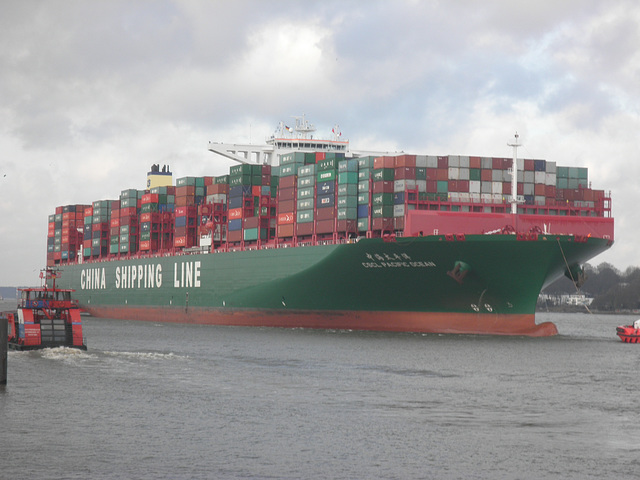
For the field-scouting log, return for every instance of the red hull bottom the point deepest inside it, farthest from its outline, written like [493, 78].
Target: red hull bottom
[419, 322]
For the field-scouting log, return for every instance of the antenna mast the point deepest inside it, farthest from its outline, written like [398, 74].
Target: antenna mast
[514, 175]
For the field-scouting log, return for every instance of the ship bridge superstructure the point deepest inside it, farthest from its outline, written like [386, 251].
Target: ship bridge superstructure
[297, 138]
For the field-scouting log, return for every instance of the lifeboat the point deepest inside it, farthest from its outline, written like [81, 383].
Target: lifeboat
[629, 333]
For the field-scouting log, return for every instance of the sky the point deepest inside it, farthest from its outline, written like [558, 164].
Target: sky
[92, 93]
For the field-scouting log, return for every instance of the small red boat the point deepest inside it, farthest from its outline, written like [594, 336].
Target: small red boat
[47, 317]
[629, 333]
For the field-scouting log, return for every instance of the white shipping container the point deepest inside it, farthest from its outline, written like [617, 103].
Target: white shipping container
[497, 198]
[486, 198]
[474, 197]
[474, 186]
[485, 187]
[464, 161]
[486, 163]
[464, 173]
[496, 188]
[432, 161]
[506, 175]
[551, 167]
[550, 179]
[398, 210]
[496, 175]
[464, 197]
[421, 185]
[540, 178]
[454, 197]
[402, 185]
[520, 176]
[539, 200]
[529, 177]
[528, 189]
[421, 161]
[454, 172]
[454, 161]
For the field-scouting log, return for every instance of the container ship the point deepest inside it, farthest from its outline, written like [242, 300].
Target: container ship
[303, 232]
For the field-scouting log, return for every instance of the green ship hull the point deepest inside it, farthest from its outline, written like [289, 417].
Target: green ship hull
[478, 284]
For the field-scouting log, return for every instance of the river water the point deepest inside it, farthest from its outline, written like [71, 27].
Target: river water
[155, 401]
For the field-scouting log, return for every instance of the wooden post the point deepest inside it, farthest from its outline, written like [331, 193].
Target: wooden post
[4, 346]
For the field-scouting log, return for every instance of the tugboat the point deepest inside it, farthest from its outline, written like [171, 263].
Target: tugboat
[47, 317]
[629, 333]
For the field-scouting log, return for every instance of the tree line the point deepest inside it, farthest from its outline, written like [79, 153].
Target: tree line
[611, 289]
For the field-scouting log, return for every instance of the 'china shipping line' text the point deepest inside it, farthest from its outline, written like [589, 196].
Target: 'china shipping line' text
[185, 274]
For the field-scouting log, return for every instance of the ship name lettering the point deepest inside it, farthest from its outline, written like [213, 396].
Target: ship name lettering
[186, 274]
[139, 276]
[93, 279]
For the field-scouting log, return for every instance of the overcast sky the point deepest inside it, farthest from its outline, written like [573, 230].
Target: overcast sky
[94, 92]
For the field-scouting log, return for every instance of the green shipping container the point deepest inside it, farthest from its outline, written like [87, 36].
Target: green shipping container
[363, 186]
[347, 201]
[289, 169]
[114, 248]
[382, 211]
[384, 174]
[363, 224]
[239, 170]
[347, 213]
[304, 216]
[421, 173]
[186, 181]
[382, 199]
[363, 198]
[350, 165]
[328, 164]
[347, 189]
[326, 176]
[305, 204]
[124, 247]
[223, 179]
[347, 177]
[365, 162]
[474, 174]
[364, 174]
[307, 171]
[250, 234]
[562, 172]
[86, 252]
[443, 186]
[305, 192]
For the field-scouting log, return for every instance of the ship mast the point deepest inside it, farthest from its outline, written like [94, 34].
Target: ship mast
[514, 175]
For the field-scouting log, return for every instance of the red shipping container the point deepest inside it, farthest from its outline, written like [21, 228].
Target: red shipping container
[187, 211]
[128, 212]
[506, 188]
[432, 174]
[463, 186]
[149, 198]
[256, 190]
[66, 216]
[383, 187]
[405, 173]
[325, 226]
[405, 161]
[486, 175]
[180, 241]
[250, 222]
[285, 194]
[398, 223]
[145, 217]
[539, 189]
[285, 231]
[59, 210]
[384, 162]
[286, 206]
[217, 188]
[235, 213]
[443, 162]
[145, 244]
[320, 156]
[453, 186]
[286, 218]
[208, 181]
[475, 162]
[496, 163]
[266, 177]
[347, 226]
[88, 212]
[115, 222]
[185, 191]
[304, 229]
[550, 191]
[386, 224]
[529, 165]
[442, 174]
[287, 182]
[325, 213]
[114, 231]
[86, 243]
[234, 236]
[432, 186]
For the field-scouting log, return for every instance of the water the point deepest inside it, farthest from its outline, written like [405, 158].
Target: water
[173, 401]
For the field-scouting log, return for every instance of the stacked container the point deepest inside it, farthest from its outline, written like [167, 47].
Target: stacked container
[130, 203]
[383, 177]
[305, 201]
[347, 197]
